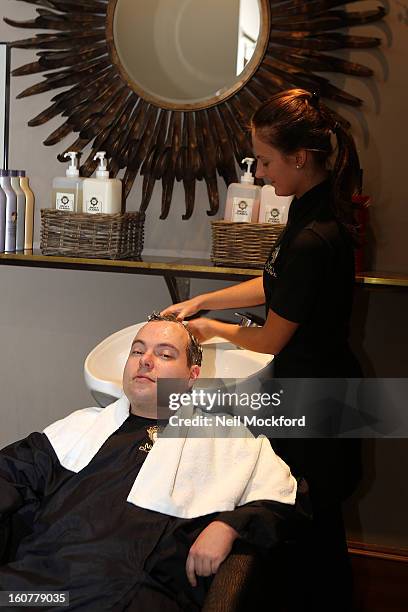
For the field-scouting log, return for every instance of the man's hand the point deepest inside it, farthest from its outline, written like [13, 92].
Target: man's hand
[209, 550]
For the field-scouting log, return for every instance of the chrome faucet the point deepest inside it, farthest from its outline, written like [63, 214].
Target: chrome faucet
[246, 319]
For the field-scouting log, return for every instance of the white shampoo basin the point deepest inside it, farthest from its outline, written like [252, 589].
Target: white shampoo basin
[104, 365]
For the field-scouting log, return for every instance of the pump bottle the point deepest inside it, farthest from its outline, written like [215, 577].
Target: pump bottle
[273, 209]
[67, 190]
[243, 198]
[102, 194]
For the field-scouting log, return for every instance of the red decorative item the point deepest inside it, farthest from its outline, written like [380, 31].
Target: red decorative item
[361, 205]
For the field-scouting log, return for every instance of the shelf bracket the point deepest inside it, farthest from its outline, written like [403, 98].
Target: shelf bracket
[179, 287]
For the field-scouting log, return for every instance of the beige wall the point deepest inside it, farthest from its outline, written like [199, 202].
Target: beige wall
[381, 133]
[49, 320]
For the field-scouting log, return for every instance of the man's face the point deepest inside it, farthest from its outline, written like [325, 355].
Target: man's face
[158, 351]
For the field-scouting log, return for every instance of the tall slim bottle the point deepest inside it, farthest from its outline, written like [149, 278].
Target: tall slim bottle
[11, 213]
[3, 203]
[29, 211]
[21, 203]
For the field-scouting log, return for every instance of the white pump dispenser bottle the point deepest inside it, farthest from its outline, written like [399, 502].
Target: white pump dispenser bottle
[67, 190]
[273, 209]
[243, 198]
[102, 194]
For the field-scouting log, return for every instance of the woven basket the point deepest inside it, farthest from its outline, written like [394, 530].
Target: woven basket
[243, 244]
[117, 236]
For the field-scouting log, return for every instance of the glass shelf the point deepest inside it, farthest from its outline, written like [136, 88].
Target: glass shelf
[175, 268]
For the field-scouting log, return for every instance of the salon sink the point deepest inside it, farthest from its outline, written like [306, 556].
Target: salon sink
[104, 365]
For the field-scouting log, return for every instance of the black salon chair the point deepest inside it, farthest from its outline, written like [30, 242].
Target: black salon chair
[247, 580]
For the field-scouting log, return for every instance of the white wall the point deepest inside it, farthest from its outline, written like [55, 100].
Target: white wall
[50, 321]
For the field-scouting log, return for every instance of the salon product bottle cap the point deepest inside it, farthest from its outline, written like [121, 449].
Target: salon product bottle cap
[101, 171]
[13, 173]
[247, 176]
[21, 173]
[72, 169]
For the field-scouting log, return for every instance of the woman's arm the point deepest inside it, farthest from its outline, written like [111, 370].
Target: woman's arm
[271, 338]
[249, 293]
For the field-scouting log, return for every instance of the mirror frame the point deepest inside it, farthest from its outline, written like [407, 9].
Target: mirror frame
[191, 143]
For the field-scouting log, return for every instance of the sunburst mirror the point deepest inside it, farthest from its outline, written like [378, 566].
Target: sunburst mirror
[167, 87]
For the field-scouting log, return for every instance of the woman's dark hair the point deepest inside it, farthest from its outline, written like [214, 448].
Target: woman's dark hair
[296, 119]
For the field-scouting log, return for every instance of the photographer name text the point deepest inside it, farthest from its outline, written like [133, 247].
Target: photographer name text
[222, 420]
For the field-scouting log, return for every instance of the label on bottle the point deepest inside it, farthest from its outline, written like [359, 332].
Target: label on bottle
[242, 209]
[10, 237]
[93, 205]
[272, 215]
[65, 201]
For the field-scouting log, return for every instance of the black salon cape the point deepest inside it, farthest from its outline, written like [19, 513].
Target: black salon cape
[82, 536]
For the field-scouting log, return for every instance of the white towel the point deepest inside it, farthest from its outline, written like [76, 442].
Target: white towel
[77, 438]
[187, 476]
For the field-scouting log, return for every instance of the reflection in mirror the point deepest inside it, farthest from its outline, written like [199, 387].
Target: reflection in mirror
[185, 51]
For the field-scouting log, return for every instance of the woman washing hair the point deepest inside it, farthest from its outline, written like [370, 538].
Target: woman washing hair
[307, 288]
[309, 275]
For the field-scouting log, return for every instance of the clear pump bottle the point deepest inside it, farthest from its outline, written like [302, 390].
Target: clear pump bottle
[243, 198]
[67, 190]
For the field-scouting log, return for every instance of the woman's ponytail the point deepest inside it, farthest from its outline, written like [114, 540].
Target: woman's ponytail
[345, 171]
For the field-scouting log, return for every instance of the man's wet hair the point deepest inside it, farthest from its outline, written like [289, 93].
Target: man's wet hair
[194, 350]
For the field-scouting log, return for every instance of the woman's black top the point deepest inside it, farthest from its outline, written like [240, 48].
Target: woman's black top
[309, 279]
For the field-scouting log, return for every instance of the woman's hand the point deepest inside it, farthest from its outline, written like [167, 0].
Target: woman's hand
[209, 550]
[183, 309]
[202, 328]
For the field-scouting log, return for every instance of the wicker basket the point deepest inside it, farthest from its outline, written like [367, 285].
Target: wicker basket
[117, 236]
[242, 244]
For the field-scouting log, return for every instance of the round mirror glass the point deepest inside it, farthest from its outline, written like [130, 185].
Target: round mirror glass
[182, 52]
